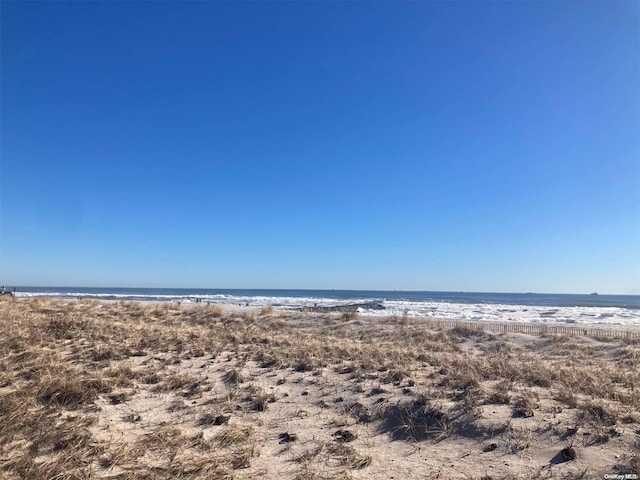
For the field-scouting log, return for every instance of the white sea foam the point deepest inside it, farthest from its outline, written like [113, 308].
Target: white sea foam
[489, 312]
[511, 313]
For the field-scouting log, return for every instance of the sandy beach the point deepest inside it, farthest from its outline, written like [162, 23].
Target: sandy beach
[125, 390]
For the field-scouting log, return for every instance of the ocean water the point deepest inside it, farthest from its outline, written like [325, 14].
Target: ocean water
[515, 307]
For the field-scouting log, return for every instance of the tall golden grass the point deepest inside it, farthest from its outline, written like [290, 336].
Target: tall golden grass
[64, 364]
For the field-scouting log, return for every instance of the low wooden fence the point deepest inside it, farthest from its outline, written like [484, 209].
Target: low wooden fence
[536, 328]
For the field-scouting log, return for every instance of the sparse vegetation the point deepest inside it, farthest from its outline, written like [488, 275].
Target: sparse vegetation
[266, 310]
[131, 391]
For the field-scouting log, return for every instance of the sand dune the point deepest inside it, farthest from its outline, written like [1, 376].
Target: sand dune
[153, 391]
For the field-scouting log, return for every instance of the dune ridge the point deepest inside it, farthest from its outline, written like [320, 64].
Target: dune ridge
[124, 390]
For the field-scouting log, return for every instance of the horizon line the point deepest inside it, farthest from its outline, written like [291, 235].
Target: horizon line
[17, 287]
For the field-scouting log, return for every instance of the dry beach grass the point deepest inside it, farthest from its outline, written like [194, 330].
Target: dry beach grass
[132, 391]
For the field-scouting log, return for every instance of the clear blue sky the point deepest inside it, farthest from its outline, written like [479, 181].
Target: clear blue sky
[425, 145]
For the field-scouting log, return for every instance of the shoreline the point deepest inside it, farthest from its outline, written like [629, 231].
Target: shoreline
[522, 308]
[535, 328]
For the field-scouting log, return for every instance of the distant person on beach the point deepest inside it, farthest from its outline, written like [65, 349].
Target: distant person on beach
[4, 292]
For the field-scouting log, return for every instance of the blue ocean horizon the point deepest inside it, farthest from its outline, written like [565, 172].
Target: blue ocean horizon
[498, 298]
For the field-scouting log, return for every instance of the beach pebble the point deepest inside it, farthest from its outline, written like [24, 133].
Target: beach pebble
[616, 431]
[287, 437]
[490, 448]
[345, 436]
[568, 453]
[116, 399]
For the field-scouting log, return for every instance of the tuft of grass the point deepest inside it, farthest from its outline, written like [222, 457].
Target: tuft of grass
[349, 316]
[467, 331]
[212, 310]
[346, 456]
[599, 413]
[566, 396]
[517, 439]
[213, 418]
[164, 438]
[417, 421]
[630, 462]
[395, 376]
[233, 377]
[177, 381]
[68, 389]
[260, 399]
[500, 395]
[524, 406]
[358, 411]
[234, 435]
[308, 455]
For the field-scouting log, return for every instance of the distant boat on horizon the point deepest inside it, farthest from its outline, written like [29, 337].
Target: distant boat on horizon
[594, 293]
